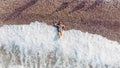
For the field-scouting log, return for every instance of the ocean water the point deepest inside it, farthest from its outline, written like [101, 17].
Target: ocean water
[37, 46]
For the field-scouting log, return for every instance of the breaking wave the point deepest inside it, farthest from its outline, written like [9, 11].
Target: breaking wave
[38, 46]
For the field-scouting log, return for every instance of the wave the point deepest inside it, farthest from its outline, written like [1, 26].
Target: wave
[38, 46]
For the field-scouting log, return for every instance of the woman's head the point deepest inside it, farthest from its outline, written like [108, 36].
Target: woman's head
[59, 22]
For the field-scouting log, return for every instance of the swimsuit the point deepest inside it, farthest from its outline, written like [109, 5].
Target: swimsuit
[59, 28]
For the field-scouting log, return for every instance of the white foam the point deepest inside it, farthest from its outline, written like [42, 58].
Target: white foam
[38, 46]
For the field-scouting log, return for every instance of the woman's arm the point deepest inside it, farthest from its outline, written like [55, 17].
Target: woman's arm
[63, 27]
[55, 24]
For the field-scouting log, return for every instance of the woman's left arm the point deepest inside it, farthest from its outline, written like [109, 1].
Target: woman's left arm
[63, 27]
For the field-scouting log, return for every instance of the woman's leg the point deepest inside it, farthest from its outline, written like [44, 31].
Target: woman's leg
[60, 34]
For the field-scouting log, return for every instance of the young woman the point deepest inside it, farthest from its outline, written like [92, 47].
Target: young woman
[60, 27]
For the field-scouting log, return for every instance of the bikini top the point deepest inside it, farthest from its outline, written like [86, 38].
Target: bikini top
[59, 26]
